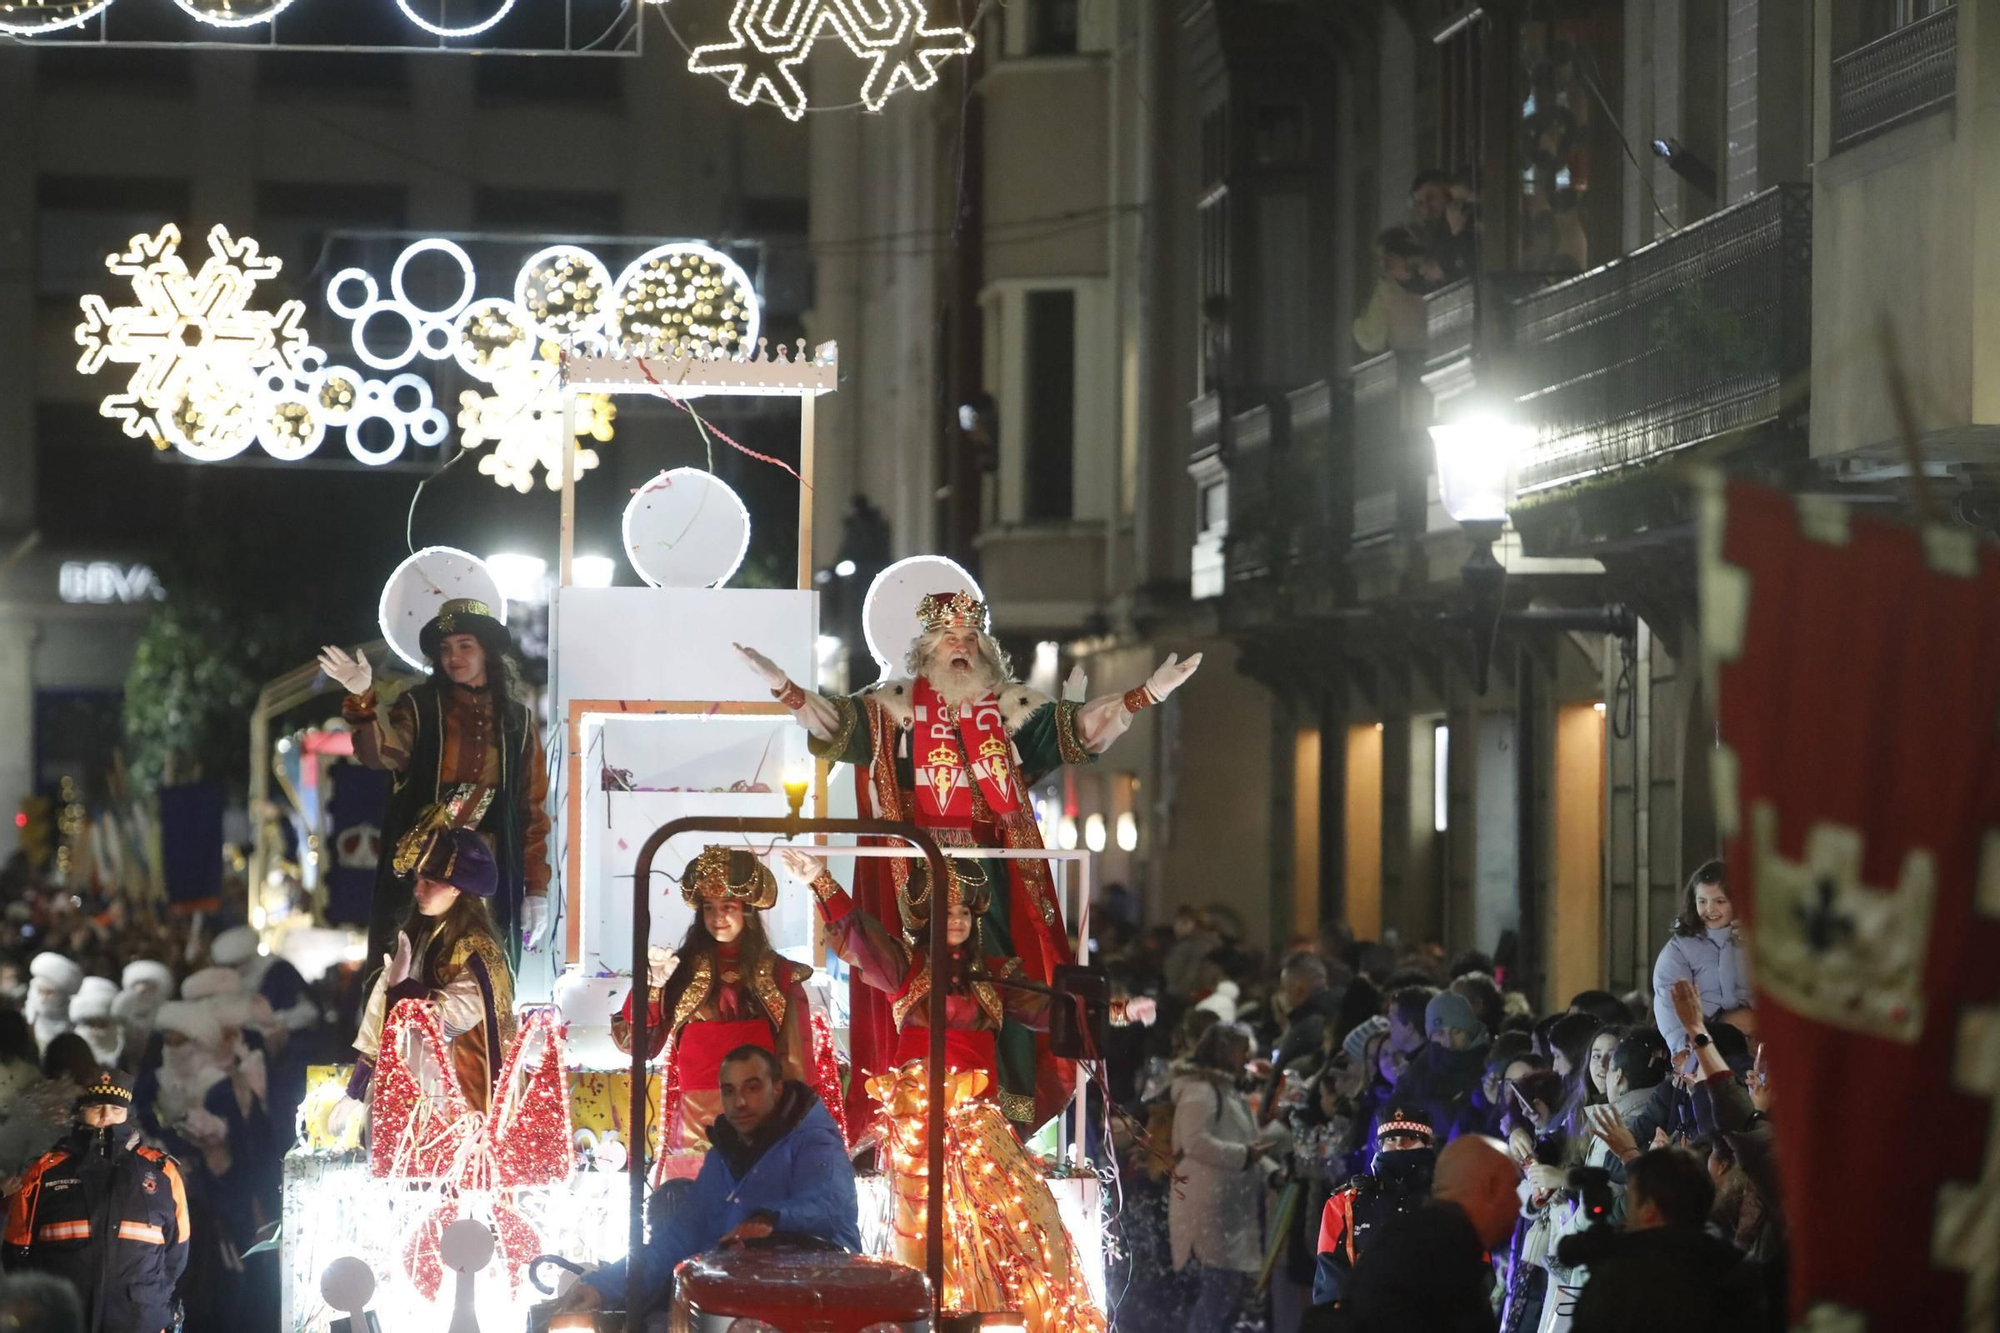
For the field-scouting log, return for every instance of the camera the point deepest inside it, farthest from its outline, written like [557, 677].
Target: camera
[1590, 1187]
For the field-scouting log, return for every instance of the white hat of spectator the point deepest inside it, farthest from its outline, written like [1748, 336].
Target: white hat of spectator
[148, 969]
[92, 1004]
[196, 1022]
[211, 982]
[234, 947]
[232, 1011]
[57, 972]
[1222, 1001]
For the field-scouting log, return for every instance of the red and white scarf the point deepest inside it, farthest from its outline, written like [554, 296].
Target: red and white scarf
[940, 741]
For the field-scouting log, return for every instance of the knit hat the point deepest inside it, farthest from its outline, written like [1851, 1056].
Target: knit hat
[211, 982]
[1355, 1043]
[196, 1022]
[233, 947]
[55, 970]
[1449, 1011]
[109, 1088]
[148, 969]
[1413, 1120]
[92, 1001]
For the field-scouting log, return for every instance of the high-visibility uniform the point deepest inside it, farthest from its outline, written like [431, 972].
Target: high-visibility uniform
[112, 1218]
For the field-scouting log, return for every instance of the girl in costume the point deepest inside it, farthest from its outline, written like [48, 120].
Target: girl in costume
[725, 987]
[448, 955]
[1005, 1245]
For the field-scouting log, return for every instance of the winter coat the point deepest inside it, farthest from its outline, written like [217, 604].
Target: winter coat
[794, 1171]
[114, 1225]
[1427, 1271]
[1719, 967]
[1213, 1214]
[1668, 1280]
[1569, 1219]
[1442, 1081]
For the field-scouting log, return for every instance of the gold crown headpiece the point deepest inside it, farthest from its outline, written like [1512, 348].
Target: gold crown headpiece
[728, 874]
[968, 889]
[941, 609]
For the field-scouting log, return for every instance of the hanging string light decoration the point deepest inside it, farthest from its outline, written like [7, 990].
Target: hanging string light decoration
[769, 43]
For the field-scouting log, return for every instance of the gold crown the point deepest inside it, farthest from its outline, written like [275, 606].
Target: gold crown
[708, 878]
[461, 606]
[939, 609]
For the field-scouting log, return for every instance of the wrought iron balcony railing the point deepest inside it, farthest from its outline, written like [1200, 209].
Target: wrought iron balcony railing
[1895, 79]
[1691, 337]
[1286, 491]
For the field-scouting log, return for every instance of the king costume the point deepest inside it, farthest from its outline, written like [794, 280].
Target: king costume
[962, 771]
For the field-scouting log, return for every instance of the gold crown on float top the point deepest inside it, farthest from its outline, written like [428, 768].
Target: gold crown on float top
[728, 874]
[940, 609]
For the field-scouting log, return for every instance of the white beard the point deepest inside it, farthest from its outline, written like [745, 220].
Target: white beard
[49, 1026]
[959, 686]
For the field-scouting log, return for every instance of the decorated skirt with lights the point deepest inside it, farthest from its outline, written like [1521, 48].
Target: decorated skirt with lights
[1002, 745]
[1005, 1244]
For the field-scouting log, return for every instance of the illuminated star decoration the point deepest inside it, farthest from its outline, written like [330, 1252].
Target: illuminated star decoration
[766, 49]
[522, 420]
[197, 348]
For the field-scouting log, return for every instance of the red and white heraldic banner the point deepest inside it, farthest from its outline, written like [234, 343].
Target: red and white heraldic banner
[1857, 668]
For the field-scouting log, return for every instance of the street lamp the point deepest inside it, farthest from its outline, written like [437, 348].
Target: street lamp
[1478, 454]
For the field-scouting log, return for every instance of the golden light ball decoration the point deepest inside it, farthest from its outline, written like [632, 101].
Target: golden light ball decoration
[26, 18]
[684, 293]
[566, 292]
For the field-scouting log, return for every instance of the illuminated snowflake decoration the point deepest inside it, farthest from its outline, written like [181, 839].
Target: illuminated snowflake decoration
[770, 40]
[196, 346]
[522, 420]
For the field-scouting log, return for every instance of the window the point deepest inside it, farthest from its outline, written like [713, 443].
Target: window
[1053, 27]
[505, 80]
[1051, 405]
[84, 218]
[498, 208]
[1213, 220]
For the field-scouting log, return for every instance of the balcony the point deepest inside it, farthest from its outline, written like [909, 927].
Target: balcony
[1692, 337]
[1896, 79]
[1045, 579]
[1383, 455]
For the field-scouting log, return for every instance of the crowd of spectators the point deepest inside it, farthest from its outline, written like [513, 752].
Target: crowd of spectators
[211, 1035]
[1363, 1135]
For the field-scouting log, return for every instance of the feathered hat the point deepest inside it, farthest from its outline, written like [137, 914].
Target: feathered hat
[725, 874]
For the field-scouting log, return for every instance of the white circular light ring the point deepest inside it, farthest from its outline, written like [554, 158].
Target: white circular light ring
[375, 410]
[88, 13]
[638, 509]
[753, 313]
[422, 583]
[901, 581]
[504, 357]
[429, 428]
[351, 309]
[368, 355]
[441, 349]
[417, 385]
[440, 246]
[234, 430]
[354, 379]
[440, 30]
[564, 328]
[234, 21]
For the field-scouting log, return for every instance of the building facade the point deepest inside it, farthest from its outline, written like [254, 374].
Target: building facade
[1165, 368]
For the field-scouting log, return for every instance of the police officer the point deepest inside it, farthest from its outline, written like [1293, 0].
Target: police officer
[1398, 1181]
[104, 1213]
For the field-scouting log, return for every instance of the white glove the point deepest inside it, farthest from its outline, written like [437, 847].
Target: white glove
[1546, 1179]
[344, 1120]
[803, 865]
[1170, 675]
[251, 1066]
[396, 966]
[1076, 688]
[351, 673]
[204, 1129]
[1140, 1009]
[534, 922]
[660, 965]
[768, 670]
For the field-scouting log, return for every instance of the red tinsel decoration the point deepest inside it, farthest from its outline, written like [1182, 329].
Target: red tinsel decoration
[826, 1075]
[416, 1136]
[530, 1129]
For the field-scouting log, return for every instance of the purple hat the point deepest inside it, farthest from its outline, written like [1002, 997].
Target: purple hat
[460, 857]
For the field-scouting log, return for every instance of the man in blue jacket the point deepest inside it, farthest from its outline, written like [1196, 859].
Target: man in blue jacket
[776, 1166]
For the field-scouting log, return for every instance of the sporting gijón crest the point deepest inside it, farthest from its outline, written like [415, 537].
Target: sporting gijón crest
[943, 737]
